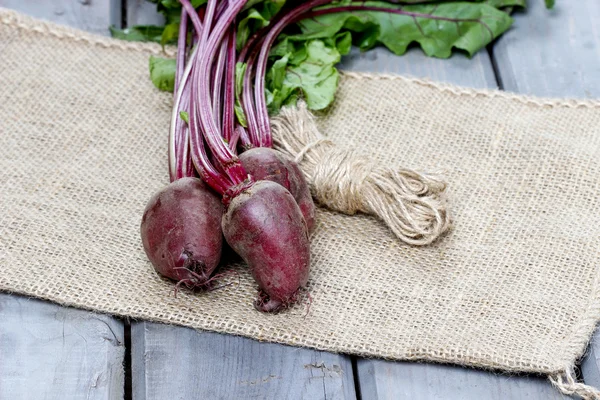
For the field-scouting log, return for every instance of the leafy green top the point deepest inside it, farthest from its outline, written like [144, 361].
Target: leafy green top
[302, 61]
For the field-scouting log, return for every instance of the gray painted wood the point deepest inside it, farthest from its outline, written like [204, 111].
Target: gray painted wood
[180, 363]
[556, 53]
[51, 352]
[173, 361]
[590, 366]
[153, 345]
[89, 15]
[552, 53]
[459, 70]
[142, 12]
[379, 379]
[115, 12]
[48, 351]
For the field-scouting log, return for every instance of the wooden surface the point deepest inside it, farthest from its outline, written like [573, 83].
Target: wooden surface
[51, 352]
[552, 53]
[89, 15]
[142, 12]
[379, 379]
[459, 70]
[47, 351]
[590, 366]
[181, 363]
[241, 368]
[555, 54]
[567, 65]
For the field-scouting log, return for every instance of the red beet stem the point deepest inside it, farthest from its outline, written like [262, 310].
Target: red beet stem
[209, 46]
[229, 90]
[262, 114]
[175, 133]
[248, 103]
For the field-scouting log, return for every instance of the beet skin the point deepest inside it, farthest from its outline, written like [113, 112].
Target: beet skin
[265, 226]
[264, 163]
[181, 232]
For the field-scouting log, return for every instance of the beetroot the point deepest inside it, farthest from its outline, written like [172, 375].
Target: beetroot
[264, 163]
[181, 232]
[263, 222]
[265, 226]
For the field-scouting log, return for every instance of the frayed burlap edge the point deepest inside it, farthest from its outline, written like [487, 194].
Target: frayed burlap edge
[463, 91]
[563, 378]
[15, 19]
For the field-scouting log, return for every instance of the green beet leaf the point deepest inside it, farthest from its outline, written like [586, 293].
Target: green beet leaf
[256, 15]
[240, 70]
[170, 34]
[175, 4]
[140, 33]
[315, 77]
[162, 73]
[302, 60]
[436, 28]
[506, 3]
[309, 58]
[184, 116]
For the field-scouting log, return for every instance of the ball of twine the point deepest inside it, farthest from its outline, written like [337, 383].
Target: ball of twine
[412, 204]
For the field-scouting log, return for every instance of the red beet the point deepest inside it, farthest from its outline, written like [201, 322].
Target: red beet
[264, 163]
[263, 223]
[265, 226]
[181, 232]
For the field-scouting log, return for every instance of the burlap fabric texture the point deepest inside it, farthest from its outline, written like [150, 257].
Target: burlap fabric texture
[512, 286]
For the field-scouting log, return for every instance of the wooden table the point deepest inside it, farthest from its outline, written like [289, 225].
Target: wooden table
[52, 352]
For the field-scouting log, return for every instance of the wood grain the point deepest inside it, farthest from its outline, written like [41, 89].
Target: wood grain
[459, 69]
[48, 351]
[88, 15]
[552, 53]
[142, 12]
[590, 366]
[379, 379]
[555, 53]
[167, 360]
[51, 352]
[181, 363]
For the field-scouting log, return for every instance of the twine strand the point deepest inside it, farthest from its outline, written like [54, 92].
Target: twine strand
[567, 384]
[412, 204]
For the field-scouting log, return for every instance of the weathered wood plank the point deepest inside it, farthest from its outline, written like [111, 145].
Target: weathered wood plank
[459, 70]
[168, 359]
[116, 12]
[51, 352]
[590, 367]
[142, 12]
[48, 351]
[89, 15]
[379, 379]
[555, 53]
[203, 365]
[552, 52]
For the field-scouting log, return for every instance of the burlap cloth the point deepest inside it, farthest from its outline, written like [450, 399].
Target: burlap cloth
[513, 286]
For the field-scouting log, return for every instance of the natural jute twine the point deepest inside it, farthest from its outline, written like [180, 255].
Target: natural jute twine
[412, 204]
[513, 286]
[567, 383]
